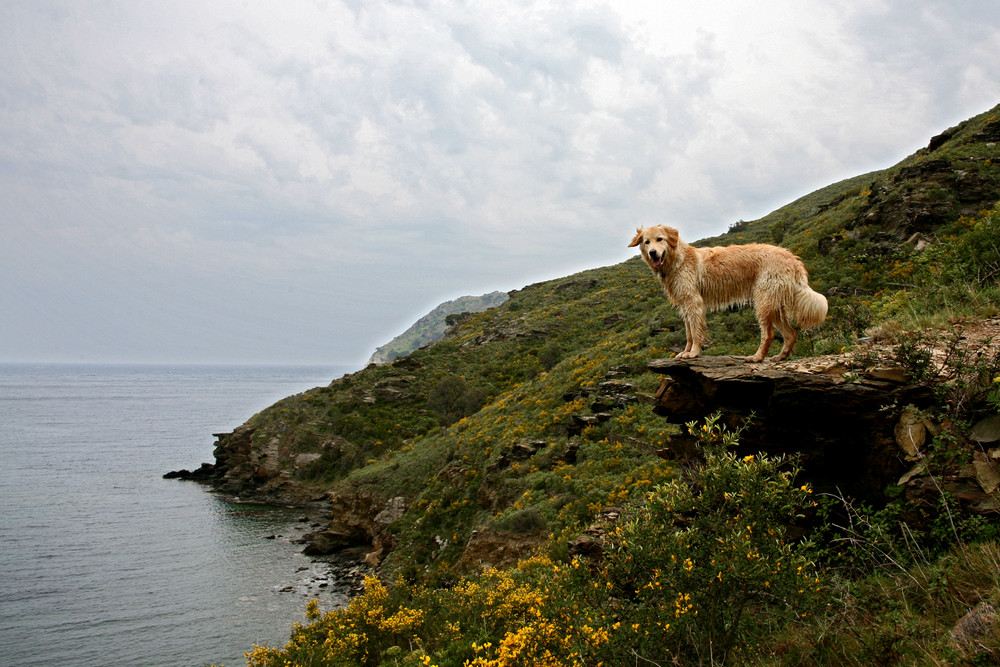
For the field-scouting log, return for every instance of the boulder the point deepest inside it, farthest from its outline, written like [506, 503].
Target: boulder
[326, 542]
[205, 473]
[974, 633]
[986, 430]
[911, 434]
[613, 395]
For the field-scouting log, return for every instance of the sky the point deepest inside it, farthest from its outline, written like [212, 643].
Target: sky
[298, 182]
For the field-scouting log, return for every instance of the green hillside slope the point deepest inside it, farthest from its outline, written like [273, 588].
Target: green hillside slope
[516, 430]
[530, 368]
[431, 327]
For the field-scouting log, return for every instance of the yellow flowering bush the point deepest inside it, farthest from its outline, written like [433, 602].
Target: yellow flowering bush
[697, 570]
[522, 616]
[705, 567]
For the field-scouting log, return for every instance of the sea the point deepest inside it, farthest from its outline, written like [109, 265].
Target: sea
[104, 562]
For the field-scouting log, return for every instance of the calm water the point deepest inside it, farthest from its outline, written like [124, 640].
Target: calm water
[103, 562]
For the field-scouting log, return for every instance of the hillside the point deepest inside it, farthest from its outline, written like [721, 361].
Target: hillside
[527, 421]
[431, 327]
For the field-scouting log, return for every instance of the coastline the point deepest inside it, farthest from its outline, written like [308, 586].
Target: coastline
[345, 569]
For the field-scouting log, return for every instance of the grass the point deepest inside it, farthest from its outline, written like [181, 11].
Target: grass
[536, 464]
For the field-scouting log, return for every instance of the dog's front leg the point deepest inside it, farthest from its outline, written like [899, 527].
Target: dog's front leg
[695, 330]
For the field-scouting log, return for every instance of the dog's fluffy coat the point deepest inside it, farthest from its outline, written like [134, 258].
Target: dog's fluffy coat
[701, 279]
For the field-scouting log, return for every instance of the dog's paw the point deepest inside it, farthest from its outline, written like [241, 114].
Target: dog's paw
[753, 359]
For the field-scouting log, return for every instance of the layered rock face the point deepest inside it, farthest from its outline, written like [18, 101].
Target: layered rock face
[258, 472]
[837, 429]
[853, 434]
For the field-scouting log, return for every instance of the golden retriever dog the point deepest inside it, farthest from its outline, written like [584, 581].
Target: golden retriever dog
[701, 279]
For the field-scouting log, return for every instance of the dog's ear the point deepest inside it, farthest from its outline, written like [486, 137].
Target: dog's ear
[673, 236]
[636, 238]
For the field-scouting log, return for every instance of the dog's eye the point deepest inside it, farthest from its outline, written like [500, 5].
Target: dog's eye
[659, 239]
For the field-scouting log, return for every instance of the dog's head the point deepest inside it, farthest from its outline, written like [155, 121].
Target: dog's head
[656, 243]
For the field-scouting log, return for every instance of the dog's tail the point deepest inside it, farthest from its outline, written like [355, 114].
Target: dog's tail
[810, 307]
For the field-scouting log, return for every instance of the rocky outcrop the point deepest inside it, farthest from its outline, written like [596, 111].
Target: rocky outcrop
[591, 542]
[360, 520]
[516, 453]
[840, 430]
[248, 470]
[205, 473]
[609, 395]
[853, 433]
[508, 329]
[937, 187]
[488, 548]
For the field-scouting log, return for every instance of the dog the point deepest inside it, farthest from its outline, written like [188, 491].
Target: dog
[700, 279]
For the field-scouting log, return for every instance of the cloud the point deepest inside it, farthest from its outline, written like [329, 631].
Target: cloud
[303, 180]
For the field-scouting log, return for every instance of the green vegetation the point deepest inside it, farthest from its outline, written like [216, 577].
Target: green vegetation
[431, 327]
[507, 428]
[689, 575]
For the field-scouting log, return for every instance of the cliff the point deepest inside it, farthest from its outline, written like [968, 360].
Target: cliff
[526, 420]
[432, 327]
[857, 425]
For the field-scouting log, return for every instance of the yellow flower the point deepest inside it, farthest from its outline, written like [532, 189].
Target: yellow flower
[748, 458]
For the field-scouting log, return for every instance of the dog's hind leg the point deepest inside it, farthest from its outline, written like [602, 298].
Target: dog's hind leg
[766, 319]
[788, 333]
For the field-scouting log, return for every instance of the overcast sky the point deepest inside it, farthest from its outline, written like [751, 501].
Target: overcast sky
[297, 182]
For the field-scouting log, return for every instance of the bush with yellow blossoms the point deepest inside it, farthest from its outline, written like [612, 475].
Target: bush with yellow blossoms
[697, 572]
[706, 567]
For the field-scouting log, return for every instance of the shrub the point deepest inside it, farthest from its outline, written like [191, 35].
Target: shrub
[454, 318]
[978, 252]
[697, 573]
[452, 398]
[706, 567]
[550, 355]
[778, 229]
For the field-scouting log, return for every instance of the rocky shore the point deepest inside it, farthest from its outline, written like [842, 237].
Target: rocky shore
[340, 572]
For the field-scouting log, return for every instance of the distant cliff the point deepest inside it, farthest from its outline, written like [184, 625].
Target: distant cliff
[431, 327]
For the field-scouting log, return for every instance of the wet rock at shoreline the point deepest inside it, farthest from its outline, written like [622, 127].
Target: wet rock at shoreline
[205, 473]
